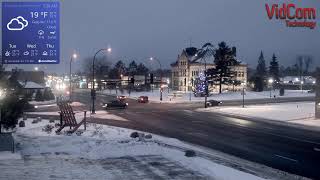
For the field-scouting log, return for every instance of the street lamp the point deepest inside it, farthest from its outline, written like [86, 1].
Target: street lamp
[74, 56]
[36, 68]
[93, 92]
[270, 84]
[243, 93]
[151, 59]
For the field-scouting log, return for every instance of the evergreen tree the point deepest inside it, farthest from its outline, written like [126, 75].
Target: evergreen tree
[39, 96]
[258, 84]
[200, 86]
[48, 95]
[132, 69]
[13, 82]
[142, 69]
[274, 69]
[12, 109]
[118, 69]
[261, 67]
[224, 59]
[261, 74]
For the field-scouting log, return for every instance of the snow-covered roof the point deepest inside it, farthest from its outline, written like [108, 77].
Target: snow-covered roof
[31, 85]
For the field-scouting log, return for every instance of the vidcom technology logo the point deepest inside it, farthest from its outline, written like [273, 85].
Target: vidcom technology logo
[293, 15]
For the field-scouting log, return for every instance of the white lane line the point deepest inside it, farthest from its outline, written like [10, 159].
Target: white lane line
[198, 134]
[197, 121]
[283, 157]
[188, 111]
[316, 149]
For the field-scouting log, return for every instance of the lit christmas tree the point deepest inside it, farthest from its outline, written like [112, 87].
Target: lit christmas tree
[200, 85]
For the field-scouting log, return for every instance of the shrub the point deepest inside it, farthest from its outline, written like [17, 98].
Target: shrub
[12, 109]
[190, 153]
[39, 96]
[134, 135]
[48, 128]
[148, 136]
[22, 124]
[48, 95]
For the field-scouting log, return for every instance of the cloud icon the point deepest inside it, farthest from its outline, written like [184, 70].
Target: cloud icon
[17, 24]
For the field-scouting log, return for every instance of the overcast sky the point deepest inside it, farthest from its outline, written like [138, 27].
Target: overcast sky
[137, 29]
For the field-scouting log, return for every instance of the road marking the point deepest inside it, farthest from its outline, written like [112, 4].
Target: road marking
[188, 111]
[198, 134]
[283, 157]
[316, 149]
[197, 121]
[274, 134]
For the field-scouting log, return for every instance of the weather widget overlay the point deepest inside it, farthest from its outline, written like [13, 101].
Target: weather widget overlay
[30, 32]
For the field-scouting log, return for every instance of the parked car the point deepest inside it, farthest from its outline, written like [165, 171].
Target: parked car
[213, 103]
[121, 98]
[143, 99]
[115, 104]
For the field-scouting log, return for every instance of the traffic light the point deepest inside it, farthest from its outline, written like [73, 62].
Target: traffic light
[151, 78]
[132, 80]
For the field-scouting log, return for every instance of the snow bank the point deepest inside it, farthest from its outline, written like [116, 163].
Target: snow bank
[9, 155]
[299, 112]
[101, 141]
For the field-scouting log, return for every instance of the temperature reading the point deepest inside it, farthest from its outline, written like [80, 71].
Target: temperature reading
[35, 15]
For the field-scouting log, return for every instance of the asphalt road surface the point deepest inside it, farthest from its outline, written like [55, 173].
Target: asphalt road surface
[290, 149]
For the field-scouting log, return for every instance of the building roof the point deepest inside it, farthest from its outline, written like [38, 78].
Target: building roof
[31, 85]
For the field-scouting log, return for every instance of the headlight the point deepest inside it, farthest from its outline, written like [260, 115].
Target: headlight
[127, 104]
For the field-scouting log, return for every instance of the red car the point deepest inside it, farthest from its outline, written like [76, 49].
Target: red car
[143, 99]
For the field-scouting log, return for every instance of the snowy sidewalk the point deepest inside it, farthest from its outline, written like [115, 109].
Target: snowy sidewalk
[105, 152]
[51, 166]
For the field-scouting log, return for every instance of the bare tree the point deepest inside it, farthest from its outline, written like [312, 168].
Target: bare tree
[308, 61]
[101, 63]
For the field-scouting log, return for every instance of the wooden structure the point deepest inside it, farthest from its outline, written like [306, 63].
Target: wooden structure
[67, 118]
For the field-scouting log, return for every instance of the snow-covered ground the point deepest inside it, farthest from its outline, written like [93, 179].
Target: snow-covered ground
[104, 152]
[54, 103]
[299, 112]
[42, 102]
[185, 96]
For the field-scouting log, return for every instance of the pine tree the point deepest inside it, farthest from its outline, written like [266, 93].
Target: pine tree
[261, 74]
[224, 59]
[118, 69]
[39, 96]
[132, 69]
[200, 86]
[274, 69]
[142, 69]
[261, 67]
[48, 95]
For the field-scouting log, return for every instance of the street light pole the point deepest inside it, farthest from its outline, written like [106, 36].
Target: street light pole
[270, 84]
[74, 56]
[243, 91]
[93, 91]
[152, 58]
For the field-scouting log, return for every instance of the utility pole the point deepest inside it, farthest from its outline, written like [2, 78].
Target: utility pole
[243, 97]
